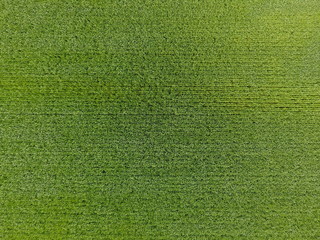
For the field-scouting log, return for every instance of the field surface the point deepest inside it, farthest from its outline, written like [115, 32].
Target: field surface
[152, 119]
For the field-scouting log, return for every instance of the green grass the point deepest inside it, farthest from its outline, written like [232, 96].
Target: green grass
[159, 119]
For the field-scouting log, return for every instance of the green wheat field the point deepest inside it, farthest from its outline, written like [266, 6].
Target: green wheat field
[159, 119]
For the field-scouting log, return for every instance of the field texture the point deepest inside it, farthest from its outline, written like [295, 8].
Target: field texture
[153, 119]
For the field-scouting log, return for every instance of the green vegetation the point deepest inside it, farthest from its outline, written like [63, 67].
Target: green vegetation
[174, 119]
